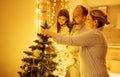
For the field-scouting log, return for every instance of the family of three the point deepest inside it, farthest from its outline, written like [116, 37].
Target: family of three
[88, 46]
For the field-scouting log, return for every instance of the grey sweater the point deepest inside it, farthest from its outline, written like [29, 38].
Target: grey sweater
[93, 54]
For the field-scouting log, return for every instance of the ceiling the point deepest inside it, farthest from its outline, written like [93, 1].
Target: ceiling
[102, 2]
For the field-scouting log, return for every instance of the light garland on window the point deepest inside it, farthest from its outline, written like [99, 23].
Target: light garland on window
[39, 15]
[65, 4]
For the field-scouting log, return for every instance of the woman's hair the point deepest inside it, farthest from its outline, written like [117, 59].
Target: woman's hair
[100, 16]
[63, 12]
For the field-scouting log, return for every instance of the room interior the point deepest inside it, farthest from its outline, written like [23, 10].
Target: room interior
[19, 28]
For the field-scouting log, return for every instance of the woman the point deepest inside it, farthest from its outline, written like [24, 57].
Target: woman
[94, 46]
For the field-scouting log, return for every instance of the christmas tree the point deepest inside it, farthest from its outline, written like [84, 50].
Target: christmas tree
[45, 59]
[39, 61]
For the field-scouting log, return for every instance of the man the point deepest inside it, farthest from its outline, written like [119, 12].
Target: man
[78, 24]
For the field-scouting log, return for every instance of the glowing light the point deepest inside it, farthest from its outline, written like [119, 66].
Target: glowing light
[40, 22]
[38, 10]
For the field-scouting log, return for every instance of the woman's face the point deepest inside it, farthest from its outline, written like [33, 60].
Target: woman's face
[92, 23]
[62, 20]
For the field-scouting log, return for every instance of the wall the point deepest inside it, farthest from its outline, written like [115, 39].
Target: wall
[118, 21]
[113, 12]
[17, 32]
[102, 2]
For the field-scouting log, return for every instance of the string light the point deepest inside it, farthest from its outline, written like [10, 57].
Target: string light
[39, 15]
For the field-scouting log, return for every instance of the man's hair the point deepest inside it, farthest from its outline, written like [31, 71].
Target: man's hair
[85, 10]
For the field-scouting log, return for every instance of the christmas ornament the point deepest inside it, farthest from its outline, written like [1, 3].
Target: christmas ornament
[42, 71]
[36, 53]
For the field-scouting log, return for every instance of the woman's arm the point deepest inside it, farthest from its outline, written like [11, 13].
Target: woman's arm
[85, 39]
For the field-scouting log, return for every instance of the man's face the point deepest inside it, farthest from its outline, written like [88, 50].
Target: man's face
[78, 16]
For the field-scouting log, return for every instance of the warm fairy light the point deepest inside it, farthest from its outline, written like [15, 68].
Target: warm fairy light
[48, 15]
[38, 25]
[66, 0]
[40, 7]
[48, 11]
[40, 21]
[38, 1]
[38, 10]
[52, 12]
[39, 15]
[48, 2]
[66, 6]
